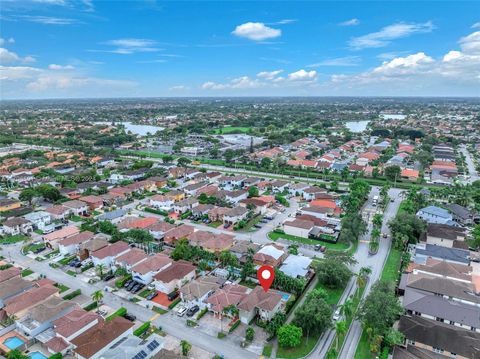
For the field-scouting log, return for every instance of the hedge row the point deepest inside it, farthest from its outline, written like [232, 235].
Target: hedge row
[234, 326]
[121, 282]
[174, 303]
[202, 313]
[156, 211]
[91, 306]
[73, 294]
[141, 329]
[119, 313]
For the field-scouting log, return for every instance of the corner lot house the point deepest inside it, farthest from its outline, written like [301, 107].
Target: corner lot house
[175, 276]
[197, 291]
[17, 225]
[71, 244]
[261, 303]
[53, 238]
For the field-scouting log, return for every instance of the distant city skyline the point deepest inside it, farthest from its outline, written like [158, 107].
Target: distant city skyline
[87, 49]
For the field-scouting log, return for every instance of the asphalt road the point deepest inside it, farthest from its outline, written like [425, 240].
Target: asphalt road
[472, 171]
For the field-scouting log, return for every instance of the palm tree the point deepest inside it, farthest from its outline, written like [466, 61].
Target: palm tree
[347, 308]
[362, 277]
[97, 296]
[340, 329]
[100, 268]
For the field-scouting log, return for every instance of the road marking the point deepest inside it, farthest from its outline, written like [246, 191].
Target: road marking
[154, 317]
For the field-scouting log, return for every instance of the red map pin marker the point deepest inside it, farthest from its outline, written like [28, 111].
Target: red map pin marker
[265, 275]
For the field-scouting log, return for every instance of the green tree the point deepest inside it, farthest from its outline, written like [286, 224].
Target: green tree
[277, 321]
[16, 354]
[27, 195]
[392, 172]
[289, 336]
[266, 162]
[380, 309]
[393, 337]
[249, 334]
[315, 314]
[340, 329]
[332, 273]
[185, 346]
[253, 191]
[476, 236]
[97, 296]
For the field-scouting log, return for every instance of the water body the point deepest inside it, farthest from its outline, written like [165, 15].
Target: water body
[140, 130]
[387, 116]
[357, 126]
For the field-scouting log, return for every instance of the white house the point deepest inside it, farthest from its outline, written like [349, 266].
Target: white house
[185, 205]
[76, 207]
[144, 271]
[235, 215]
[162, 202]
[17, 225]
[197, 291]
[70, 245]
[175, 276]
[433, 214]
[107, 255]
[298, 227]
[236, 196]
[41, 220]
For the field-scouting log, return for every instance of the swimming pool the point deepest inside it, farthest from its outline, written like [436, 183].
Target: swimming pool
[285, 297]
[37, 355]
[13, 342]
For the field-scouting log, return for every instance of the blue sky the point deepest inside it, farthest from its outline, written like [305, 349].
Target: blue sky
[64, 48]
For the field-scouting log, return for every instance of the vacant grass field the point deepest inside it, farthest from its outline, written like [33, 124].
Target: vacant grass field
[339, 246]
[228, 130]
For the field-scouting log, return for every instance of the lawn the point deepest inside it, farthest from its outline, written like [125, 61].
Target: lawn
[145, 293]
[215, 224]
[339, 246]
[61, 287]
[26, 272]
[307, 345]
[159, 310]
[32, 247]
[267, 350]
[392, 265]
[363, 348]
[13, 239]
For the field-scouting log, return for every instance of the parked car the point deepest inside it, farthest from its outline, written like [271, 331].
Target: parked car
[181, 311]
[226, 225]
[108, 277]
[257, 226]
[136, 288]
[336, 315]
[127, 283]
[173, 295]
[192, 310]
[73, 262]
[38, 250]
[77, 265]
[323, 249]
[130, 317]
[384, 235]
[131, 285]
[152, 295]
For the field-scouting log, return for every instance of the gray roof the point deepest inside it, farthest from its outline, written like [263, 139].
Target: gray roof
[444, 253]
[436, 211]
[459, 211]
[440, 335]
[112, 215]
[441, 307]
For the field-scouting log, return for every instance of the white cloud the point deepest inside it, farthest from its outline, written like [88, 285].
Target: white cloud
[302, 75]
[50, 2]
[210, 85]
[269, 75]
[8, 57]
[351, 22]
[256, 31]
[48, 20]
[476, 25]
[130, 45]
[284, 22]
[179, 88]
[388, 33]
[338, 61]
[13, 73]
[60, 67]
[471, 43]
[5, 41]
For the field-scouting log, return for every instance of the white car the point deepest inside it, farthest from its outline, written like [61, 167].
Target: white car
[336, 315]
[181, 311]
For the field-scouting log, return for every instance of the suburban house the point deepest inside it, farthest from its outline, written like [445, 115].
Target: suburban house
[280, 186]
[41, 220]
[261, 303]
[298, 227]
[130, 258]
[107, 255]
[198, 290]
[231, 294]
[433, 214]
[236, 196]
[144, 271]
[174, 276]
[158, 230]
[70, 245]
[202, 210]
[310, 193]
[185, 205]
[12, 287]
[53, 238]
[218, 243]
[235, 215]
[9, 273]
[461, 214]
[20, 305]
[161, 202]
[7, 204]
[17, 225]
[270, 254]
[297, 266]
[432, 338]
[94, 342]
[217, 213]
[93, 202]
[76, 207]
[58, 212]
[446, 236]
[298, 189]
[74, 323]
[182, 231]
[42, 316]
[421, 252]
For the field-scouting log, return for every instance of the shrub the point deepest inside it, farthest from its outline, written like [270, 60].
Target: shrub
[186, 215]
[221, 335]
[202, 313]
[156, 211]
[191, 323]
[174, 303]
[119, 313]
[234, 326]
[121, 282]
[91, 306]
[250, 334]
[26, 272]
[141, 329]
[56, 356]
[73, 294]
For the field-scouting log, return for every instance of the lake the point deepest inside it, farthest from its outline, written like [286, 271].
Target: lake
[140, 130]
[357, 126]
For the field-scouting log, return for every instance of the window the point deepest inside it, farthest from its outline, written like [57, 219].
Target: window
[438, 350]
[438, 319]
[410, 342]
[473, 329]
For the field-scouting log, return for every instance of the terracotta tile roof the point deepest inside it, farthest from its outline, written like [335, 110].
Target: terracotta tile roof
[62, 233]
[258, 298]
[323, 203]
[72, 322]
[93, 340]
[177, 270]
[161, 227]
[132, 257]
[407, 172]
[9, 273]
[77, 238]
[111, 250]
[91, 199]
[29, 299]
[200, 237]
[220, 242]
[182, 231]
[152, 264]
[228, 295]
[300, 223]
[74, 204]
[57, 210]
[57, 344]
